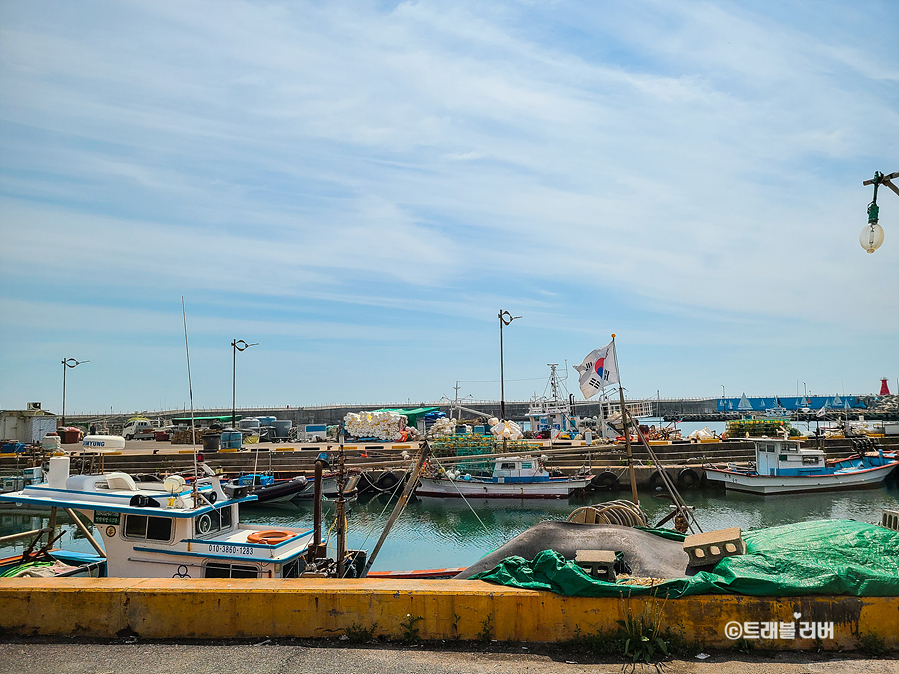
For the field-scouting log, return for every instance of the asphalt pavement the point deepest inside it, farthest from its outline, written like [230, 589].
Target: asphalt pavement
[71, 656]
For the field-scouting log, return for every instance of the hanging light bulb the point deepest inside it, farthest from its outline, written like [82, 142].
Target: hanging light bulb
[871, 237]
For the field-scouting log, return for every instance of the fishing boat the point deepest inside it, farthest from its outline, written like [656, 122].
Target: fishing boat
[510, 477]
[268, 490]
[173, 529]
[784, 466]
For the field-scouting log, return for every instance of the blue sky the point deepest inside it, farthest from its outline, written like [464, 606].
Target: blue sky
[360, 187]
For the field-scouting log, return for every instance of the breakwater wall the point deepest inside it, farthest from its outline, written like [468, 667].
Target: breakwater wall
[439, 610]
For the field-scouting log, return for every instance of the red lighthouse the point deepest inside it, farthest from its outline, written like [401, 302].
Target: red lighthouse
[884, 388]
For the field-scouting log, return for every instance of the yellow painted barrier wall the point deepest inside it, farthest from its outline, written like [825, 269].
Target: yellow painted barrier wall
[310, 608]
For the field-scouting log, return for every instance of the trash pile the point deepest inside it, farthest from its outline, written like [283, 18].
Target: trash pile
[506, 430]
[386, 426]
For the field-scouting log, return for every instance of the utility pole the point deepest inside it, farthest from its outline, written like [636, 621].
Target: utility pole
[505, 318]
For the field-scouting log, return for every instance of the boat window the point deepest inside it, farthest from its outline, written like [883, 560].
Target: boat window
[294, 569]
[809, 460]
[150, 528]
[226, 570]
[507, 466]
[225, 517]
[213, 521]
[159, 528]
[769, 448]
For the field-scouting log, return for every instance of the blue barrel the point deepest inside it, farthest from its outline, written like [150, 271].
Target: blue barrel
[231, 439]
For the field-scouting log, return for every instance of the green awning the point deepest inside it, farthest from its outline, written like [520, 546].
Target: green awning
[412, 415]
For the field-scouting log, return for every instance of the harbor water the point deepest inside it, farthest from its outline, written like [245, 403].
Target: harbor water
[444, 533]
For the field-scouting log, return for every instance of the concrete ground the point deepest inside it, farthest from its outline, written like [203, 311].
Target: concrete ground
[266, 657]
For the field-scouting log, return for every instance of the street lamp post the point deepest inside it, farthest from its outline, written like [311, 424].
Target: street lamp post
[236, 345]
[505, 318]
[872, 234]
[66, 364]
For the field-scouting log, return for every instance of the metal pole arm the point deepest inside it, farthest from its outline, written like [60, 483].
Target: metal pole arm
[880, 179]
[891, 186]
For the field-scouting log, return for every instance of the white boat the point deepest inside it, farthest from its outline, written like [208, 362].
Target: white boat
[170, 529]
[783, 466]
[511, 477]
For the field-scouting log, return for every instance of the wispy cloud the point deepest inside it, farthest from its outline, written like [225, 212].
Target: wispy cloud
[697, 166]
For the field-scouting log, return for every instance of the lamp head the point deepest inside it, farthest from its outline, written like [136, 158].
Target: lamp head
[71, 362]
[241, 345]
[506, 317]
[871, 237]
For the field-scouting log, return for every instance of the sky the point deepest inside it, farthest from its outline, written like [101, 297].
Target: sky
[362, 186]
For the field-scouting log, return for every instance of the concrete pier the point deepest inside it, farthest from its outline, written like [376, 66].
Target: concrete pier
[448, 610]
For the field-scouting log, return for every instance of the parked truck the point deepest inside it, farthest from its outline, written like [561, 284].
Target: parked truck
[139, 428]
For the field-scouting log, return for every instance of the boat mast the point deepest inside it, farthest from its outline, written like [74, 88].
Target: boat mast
[341, 508]
[627, 435]
[190, 388]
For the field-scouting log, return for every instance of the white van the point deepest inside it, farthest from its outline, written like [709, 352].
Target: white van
[139, 429]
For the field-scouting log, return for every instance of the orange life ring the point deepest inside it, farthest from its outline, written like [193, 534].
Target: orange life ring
[270, 537]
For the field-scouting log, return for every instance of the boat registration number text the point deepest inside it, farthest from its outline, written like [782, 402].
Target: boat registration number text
[230, 549]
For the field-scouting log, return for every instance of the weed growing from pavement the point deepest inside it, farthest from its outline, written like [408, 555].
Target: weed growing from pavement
[486, 633]
[872, 644]
[642, 636]
[743, 645]
[359, 634]
[410, 631]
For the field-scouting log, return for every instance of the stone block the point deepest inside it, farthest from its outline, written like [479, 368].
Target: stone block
[713, 546]
[890, 519]
[600, 564]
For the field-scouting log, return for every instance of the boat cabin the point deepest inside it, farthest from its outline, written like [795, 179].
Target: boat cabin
[776, 456]
[518, 469]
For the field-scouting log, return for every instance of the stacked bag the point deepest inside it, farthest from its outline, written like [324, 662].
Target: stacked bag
[385, 426]
[443, 426]
[505, 430]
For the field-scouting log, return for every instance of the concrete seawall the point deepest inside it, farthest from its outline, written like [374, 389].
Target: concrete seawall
[466, 610]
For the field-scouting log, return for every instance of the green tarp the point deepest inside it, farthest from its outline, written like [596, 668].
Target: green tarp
[412, 414]
[824, 557]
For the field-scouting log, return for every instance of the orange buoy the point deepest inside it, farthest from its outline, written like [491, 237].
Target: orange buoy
[270, 537]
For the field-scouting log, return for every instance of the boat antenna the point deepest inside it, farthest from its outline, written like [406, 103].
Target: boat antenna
[190, 389]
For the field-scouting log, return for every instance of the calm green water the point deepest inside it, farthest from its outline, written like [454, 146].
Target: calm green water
[440, 533]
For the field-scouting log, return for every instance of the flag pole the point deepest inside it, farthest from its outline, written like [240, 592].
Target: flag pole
[627, 435]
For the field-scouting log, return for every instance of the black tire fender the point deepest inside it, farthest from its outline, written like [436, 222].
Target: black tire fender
[688, 479]
[606, 480]
[387, 480]
[656, 481]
